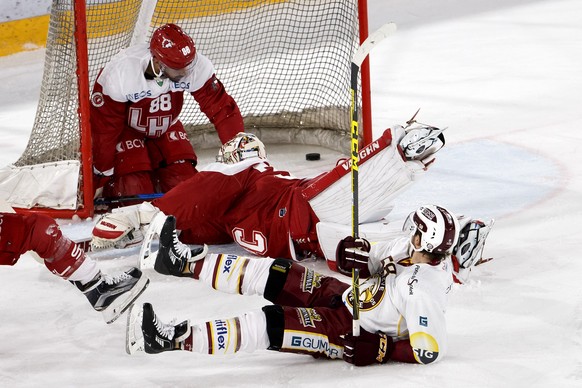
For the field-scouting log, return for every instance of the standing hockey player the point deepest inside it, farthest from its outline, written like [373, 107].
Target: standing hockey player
[402, 302]
[139, 144]
[41, 234]
[268, 212]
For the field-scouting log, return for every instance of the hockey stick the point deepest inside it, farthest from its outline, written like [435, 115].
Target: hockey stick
[126, 198]
[361, 54]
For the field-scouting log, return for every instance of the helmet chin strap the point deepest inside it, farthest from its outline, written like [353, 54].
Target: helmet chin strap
[158, 75]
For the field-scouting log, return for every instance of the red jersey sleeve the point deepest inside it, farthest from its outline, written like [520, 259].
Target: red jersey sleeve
[220, 108]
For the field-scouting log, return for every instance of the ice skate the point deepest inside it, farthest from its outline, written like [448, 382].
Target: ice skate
[113, 295]
[146, 332]
[173, 256]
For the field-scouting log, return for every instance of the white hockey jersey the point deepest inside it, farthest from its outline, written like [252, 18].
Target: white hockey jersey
[123, 83]
[408, 303]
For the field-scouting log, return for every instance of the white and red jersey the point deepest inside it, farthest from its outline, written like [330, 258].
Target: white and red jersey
[408, 303]
[124, 99]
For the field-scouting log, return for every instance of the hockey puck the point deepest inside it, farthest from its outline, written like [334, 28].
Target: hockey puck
[313, 156]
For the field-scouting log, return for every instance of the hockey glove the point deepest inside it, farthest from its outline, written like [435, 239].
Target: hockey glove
[353, 253]
[367, 348]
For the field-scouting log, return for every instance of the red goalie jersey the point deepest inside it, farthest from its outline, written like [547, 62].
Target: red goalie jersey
[249, 203]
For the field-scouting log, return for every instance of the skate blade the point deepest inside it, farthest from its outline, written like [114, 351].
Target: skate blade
[147, 258]
[118, 307]
[134, 342]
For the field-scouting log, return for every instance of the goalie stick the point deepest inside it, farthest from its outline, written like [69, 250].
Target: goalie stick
[361, 54]
[127, 198]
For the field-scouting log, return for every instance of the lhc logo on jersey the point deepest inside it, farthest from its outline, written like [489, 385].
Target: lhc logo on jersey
[256, 243]
[424, 347]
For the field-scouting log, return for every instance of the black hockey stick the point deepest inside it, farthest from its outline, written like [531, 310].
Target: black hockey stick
[361, 54]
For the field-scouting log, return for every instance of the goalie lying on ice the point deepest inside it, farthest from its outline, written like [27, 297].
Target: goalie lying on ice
[242, 198]
[402, 302]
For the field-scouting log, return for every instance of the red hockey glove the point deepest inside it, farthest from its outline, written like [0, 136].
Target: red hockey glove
[353, 253]
[368, 348]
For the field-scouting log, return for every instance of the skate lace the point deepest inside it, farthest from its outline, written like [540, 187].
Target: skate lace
[110, 280]
[181, 249]
[165, 330]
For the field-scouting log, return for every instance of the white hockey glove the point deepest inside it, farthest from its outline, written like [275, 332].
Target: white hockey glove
[468, 252]
[421, 143]
[123, 227]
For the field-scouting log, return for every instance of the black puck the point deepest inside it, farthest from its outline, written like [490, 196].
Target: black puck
[313, 156]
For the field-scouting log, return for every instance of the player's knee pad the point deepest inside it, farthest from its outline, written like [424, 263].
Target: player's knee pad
[275, 326]
[277, 278]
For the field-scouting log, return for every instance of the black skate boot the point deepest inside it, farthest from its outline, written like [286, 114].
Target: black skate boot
[113, 295]
[160, 337]
[173, 256]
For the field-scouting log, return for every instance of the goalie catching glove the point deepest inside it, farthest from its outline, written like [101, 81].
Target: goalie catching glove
[353, 253]
[368, 348]
[123, 227]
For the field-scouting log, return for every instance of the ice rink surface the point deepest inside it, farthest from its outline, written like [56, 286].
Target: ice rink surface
[505, 78]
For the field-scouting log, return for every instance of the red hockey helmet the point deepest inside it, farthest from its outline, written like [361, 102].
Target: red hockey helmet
[172, 46]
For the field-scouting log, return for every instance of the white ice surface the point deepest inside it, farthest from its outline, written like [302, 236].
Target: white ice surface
[506, 78]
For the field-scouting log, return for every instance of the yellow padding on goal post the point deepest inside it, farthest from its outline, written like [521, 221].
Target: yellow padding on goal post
[23, 35]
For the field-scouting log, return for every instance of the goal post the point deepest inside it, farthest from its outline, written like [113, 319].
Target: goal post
[286, 63]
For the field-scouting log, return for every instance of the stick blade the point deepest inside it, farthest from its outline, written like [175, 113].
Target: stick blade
[372, 40]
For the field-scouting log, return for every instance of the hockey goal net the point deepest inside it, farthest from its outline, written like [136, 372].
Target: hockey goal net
[286, 63]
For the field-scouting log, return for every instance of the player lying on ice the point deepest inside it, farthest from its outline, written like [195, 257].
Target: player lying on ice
[242, 198]
[402, 301]
[111, 295]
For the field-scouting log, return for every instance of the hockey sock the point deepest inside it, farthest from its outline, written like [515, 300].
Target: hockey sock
[233, 274]
[247, 333]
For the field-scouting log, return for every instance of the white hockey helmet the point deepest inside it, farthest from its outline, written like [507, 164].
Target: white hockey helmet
[439, 228]
[242, 146]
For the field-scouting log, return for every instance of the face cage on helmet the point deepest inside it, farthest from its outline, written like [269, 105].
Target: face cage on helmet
[231, 157]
